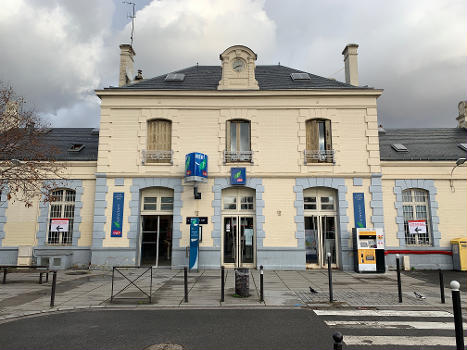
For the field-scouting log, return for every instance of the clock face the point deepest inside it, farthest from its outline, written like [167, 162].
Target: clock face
[238, 65]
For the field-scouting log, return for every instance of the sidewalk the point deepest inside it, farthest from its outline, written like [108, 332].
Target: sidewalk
[23, 296]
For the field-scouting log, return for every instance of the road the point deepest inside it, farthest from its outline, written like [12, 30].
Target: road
[230, 329]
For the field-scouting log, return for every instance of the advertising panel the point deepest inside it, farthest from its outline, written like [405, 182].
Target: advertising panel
[196, 167]
[117, 214]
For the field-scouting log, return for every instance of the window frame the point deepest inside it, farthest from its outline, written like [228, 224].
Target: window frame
[415, 240]
[237, 155]
[62, 238]
[315, 150]
[158, 151]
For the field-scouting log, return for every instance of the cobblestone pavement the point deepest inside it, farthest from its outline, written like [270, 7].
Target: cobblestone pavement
[22, 295]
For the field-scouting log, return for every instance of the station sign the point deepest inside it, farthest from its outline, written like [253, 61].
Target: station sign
[196, 167]
[416, 226]
[237, 176]
[194, 243]
[359, 209]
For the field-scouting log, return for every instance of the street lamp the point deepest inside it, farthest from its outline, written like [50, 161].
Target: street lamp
[459, 162]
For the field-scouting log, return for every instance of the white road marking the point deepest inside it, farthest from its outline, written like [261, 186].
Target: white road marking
[394, 324]
[383, 313]
[398, 340]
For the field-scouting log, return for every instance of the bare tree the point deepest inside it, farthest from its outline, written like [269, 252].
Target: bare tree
[27, 163]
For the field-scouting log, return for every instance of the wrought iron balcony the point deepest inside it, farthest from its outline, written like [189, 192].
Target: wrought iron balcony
[319, 156]
[157, 156]
[234, 157]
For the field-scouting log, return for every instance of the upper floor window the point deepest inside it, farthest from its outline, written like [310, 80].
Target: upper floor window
[159, 142]
[319, 141]
[416, 210]
[238, 141]
[62, 206]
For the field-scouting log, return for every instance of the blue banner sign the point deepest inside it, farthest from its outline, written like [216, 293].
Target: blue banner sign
[194, 243]
[237, 176]
[196, 167]
[117, 214]
[359, 210]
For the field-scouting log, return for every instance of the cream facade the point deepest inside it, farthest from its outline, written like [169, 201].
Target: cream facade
[307, 143]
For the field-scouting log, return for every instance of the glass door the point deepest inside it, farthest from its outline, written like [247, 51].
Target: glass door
[320, 239]
[239, 241]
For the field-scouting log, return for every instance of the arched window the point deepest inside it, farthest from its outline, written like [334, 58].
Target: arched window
[318, 141]
[238, 141]
[416, 217]
[61, 217]
[159, 141]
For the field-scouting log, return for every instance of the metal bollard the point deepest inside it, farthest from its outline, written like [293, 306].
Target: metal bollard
[54, 284]
[338, 337]
[112, 289]
[46, 277]
[456, 307]
[399, 286]
[441, 286]
[261, 285]
[185, 278]
[5, 271]
[222, 282]
[331, 297]
[40, 277]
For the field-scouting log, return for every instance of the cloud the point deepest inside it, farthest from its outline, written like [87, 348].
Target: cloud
[53, 49]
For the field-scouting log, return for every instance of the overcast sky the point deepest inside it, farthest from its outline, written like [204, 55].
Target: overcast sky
[56, 52]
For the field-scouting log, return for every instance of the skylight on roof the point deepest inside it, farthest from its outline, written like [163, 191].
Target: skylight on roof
[76, 147]
[300, 76]
[462, 146]
[175, 77]
[399, 147]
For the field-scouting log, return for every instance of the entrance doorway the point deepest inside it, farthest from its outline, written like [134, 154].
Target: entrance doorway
[156, 243]
[320, 227]
[238, 228]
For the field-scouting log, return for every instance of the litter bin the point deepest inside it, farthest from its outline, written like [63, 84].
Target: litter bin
[459, 254]
[242, 282]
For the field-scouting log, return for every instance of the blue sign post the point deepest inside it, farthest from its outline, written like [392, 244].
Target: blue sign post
[117, 214]
[359, 209]
[237, 176]
[196, 167]
[194, 243]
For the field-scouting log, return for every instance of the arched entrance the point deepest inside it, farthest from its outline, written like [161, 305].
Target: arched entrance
[238, 227]
[320, 214]
[156, 226]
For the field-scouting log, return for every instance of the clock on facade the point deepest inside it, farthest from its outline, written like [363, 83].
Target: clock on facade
[238, 64]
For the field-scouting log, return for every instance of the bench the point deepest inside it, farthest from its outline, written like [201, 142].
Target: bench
[26, 269]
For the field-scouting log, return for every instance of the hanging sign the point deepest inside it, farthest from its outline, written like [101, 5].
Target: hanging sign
[194, 243]
[237, 176]
[196, 167]
[117, 214]
[59, 225]
[359, 210]
[416, 226]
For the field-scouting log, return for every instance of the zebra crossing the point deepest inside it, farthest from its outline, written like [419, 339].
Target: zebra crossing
[392, 329]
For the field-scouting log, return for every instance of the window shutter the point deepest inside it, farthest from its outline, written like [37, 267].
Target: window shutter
[227, 135]
[312, 135]
[328, 139]
[159, 135]
[151, 141]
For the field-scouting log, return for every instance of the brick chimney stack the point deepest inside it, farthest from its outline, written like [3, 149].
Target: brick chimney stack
[127, 63]
[462, 112]
[351, 64]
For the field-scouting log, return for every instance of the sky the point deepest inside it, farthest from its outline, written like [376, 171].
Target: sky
[55, 53]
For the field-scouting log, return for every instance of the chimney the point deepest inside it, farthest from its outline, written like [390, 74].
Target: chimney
[351, 64]
[126, 64]
[462, 112]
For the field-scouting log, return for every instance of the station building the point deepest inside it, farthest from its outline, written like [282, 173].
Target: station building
[305, 146]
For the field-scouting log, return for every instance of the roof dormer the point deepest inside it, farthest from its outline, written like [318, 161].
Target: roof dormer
[238, 69]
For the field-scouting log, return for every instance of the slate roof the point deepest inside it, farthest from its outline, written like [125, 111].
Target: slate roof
[206, 78]
[423, 144]
[63, 138]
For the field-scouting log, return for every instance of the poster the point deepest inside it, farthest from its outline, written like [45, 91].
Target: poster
[59, 225]
[248, 232]
[117, 214]
[416, 226]
[359, 210]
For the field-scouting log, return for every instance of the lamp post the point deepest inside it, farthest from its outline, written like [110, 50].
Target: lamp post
[459, 162]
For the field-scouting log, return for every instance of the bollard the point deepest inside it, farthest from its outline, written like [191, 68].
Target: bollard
[399, 286]
[261, 285]
[456, 307]
[338, 337]
[40, 277]
[185, 278]
[331, 297]
[222, 282]
[150, 289]
[46, 277]
[54, 284]
[112, 290]
[5, 270]
[441, 286]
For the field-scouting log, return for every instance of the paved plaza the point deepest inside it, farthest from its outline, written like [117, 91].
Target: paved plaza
[23, 295]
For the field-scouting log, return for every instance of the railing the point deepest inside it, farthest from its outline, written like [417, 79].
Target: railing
[150, 156]
[319, 156]
[241, 156]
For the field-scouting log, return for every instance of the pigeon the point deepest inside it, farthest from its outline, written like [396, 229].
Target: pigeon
[313, 291]
[419, 296]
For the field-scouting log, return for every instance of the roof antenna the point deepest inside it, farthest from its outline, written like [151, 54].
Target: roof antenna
[132, 16]
[279, 63]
